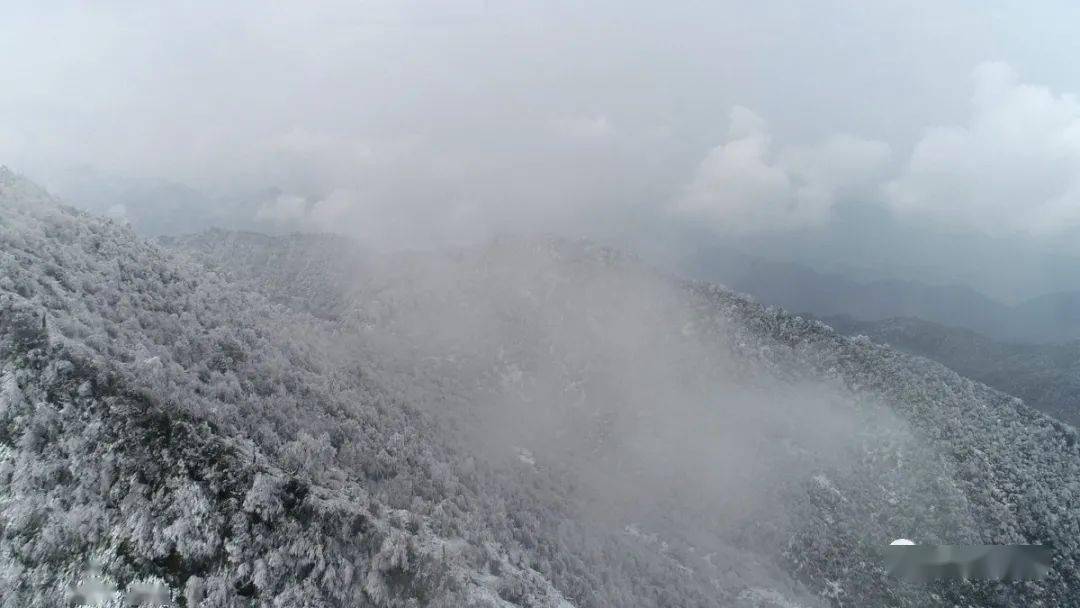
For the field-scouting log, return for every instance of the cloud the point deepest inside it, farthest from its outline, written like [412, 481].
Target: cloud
[529, 116]
[744, 185]
[378, 221]
[329, 213]
[1013, 168]
[539, 116]
[585, 127]
[117, 211]
[284, 208]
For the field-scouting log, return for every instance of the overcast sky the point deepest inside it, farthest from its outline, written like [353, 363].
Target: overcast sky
[430, 122]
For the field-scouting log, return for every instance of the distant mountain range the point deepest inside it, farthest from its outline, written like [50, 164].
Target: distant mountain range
[157, 206]
[1045, 376]
[1048, 318]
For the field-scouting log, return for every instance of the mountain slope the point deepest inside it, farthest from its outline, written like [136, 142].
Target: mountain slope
[167, 427]
[1045, 376]
[528, 423]
[1012, 471]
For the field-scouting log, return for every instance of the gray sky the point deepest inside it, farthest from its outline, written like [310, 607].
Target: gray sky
[406, 123]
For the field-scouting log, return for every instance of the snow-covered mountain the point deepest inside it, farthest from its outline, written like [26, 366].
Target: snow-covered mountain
[1045, 376]
[1048, 318]
[292, 421]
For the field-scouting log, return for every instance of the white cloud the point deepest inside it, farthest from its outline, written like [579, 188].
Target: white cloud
[378, 221]
[743, 123]
[584, 127]
[328, 214]
[324, 214]
[744, 185]
[535, 117]
[117, 211]
[1014, 167]
[285, 208]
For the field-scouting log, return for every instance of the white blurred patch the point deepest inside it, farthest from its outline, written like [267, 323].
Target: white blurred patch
[285, 208]
[1014, 167]
[117, 212]
[745, 185]
[584, 127]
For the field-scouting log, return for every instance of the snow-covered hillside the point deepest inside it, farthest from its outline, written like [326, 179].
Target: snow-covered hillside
[175, 429]
[292, 422]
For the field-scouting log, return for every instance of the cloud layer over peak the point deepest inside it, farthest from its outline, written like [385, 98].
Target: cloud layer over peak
[418, 124]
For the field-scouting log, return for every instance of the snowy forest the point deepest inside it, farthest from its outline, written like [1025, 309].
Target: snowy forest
[248, 420]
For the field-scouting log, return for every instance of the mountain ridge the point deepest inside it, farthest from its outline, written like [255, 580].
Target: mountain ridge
[1046, 376]
[1046, 318]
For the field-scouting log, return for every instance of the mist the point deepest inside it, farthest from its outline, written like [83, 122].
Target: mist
[588, 376]
[661, 130]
